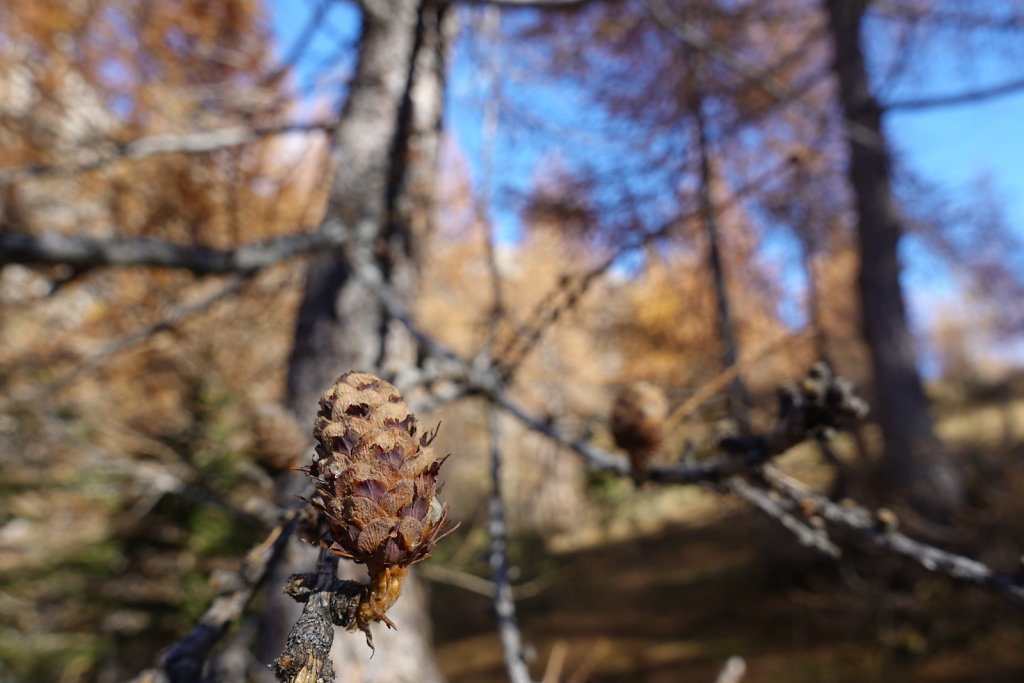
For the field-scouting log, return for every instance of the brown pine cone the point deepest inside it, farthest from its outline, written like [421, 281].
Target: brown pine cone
[376, 480]
[637, 422]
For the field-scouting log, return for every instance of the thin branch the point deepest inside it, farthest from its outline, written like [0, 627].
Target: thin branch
[806, 534]
[766, 82]
[820, 402]
[715, 384]
[569, 292]
[881, 529]
[302, 41]
[556, 662]
[84, 253]
[431, 571]
[184, 662]
[504, 605]
[166, 143]
[132, 339]
[967, 97]
[459, 579]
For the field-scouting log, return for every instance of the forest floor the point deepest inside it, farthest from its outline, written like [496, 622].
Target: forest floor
[674, 605]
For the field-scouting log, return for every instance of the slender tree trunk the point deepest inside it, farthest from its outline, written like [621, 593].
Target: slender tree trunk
[916, 463]
[737, 394]
[387, 141]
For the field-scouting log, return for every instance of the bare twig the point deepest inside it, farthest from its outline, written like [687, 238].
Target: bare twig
[590, 661]
[556, 662]
[122, 344]
[804, 533]
[712, 387]
[84, 253]
[967, 97]
[820, 403]
[184, 662]
[691, 35]
[570, 290]
[881, 530]
[459, 579]
[167, 143]
[504, 606]
[431, 571]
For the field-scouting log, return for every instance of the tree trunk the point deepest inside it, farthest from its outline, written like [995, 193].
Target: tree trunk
[738, 397]
[387, 140]
[916, 464]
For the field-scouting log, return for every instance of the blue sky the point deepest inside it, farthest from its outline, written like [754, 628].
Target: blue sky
[951, 147]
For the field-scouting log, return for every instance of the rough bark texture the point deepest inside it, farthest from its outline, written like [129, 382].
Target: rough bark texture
[916, 464]
[340, 320]
[387, 140]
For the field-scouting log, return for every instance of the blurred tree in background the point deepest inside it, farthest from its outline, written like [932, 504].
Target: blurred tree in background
[199, 232]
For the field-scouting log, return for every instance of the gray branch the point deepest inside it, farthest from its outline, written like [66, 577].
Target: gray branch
[82, 253]
[504, 605]
[203, 141]
[805, 534]
[329, 602]
[185, 661]
[819, 404]
[880, 528]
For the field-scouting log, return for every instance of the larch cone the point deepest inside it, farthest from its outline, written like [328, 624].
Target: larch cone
[637, 422]
[376, 481]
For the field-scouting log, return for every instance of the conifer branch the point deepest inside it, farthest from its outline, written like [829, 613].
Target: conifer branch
[780, 509]
[329, 602]
[881, 528]
[83, 253]
[186, 659]
[504, 605]
[194, 142]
